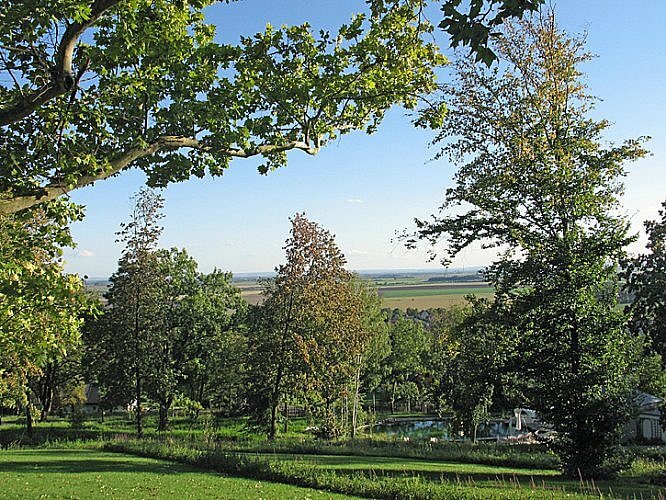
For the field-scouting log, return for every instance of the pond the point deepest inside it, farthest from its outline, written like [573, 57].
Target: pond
[440, 429]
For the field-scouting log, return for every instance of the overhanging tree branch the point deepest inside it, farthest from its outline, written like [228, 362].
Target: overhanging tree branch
[13, 204]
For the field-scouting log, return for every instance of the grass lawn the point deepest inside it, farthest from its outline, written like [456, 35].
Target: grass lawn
[79, 473]
[483, 478]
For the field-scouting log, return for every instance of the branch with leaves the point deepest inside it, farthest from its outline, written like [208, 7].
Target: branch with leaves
[94, 89]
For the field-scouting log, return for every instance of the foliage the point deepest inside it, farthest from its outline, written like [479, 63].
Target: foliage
[122, 343]
[198, 312]
[89, 89]
[404, 368]
[473, 351]
[475, 28]
[645, 278]
[312, 331]
[60, 385]
[166, 327]
[39, 304]
[536, 183]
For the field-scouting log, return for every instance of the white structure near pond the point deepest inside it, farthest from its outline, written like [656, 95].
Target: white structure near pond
[645, 426]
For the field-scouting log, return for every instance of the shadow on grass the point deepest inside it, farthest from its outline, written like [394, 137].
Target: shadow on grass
[623, 487]
[76, 461]
[435, 475]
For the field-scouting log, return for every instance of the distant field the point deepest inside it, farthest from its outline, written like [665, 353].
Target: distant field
[427, 302]
[428, 296]
[419, 295]
[251, 296]
[430, 290]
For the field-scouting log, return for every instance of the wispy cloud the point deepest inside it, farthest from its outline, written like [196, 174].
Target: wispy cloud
[358, 252]
[356, 201]
[85, 253]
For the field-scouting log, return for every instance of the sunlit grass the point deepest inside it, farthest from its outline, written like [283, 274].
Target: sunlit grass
[78, 473]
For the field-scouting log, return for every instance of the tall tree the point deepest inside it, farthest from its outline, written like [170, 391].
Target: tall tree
[124, 340]
[405, 367]
[536, 182]
[214, 350]
[90, 88]
[312, 330]
[198, 312]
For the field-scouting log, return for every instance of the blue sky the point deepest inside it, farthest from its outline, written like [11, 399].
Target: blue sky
[365, 188]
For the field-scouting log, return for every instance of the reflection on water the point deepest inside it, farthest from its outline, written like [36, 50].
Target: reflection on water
[440, 429]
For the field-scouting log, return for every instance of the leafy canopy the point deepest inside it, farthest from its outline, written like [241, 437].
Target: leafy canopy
[91, 88]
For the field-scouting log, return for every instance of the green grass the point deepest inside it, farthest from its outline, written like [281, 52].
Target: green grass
[78, 473]
[383, 477]
[410, 467]
[373, 466]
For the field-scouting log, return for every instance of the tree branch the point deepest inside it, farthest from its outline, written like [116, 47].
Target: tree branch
[62, 74]
[12, 204]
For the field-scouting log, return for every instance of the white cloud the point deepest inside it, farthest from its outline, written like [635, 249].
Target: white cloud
[358, 252]
[85, 253]
[356, 201]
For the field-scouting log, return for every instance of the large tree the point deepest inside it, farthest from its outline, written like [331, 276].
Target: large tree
[198, 312]
[123, 343]
[92, 87]
[537, 183]
[313, 331]
[405, 368]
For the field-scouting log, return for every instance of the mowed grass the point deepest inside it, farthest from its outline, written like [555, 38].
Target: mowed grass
[483, 480]
[406, 466]
[80, 473]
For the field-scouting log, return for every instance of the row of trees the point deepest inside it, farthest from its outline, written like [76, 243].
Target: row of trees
[93, 88]
[164, 325]
[169, 334]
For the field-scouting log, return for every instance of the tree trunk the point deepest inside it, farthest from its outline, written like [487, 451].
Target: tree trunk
[355, 405]
[273, 428]
[139, 416]
[285, 412]
[28, 420]
[278, 377]
[163, 423]
[201, 392]
[46, 391]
